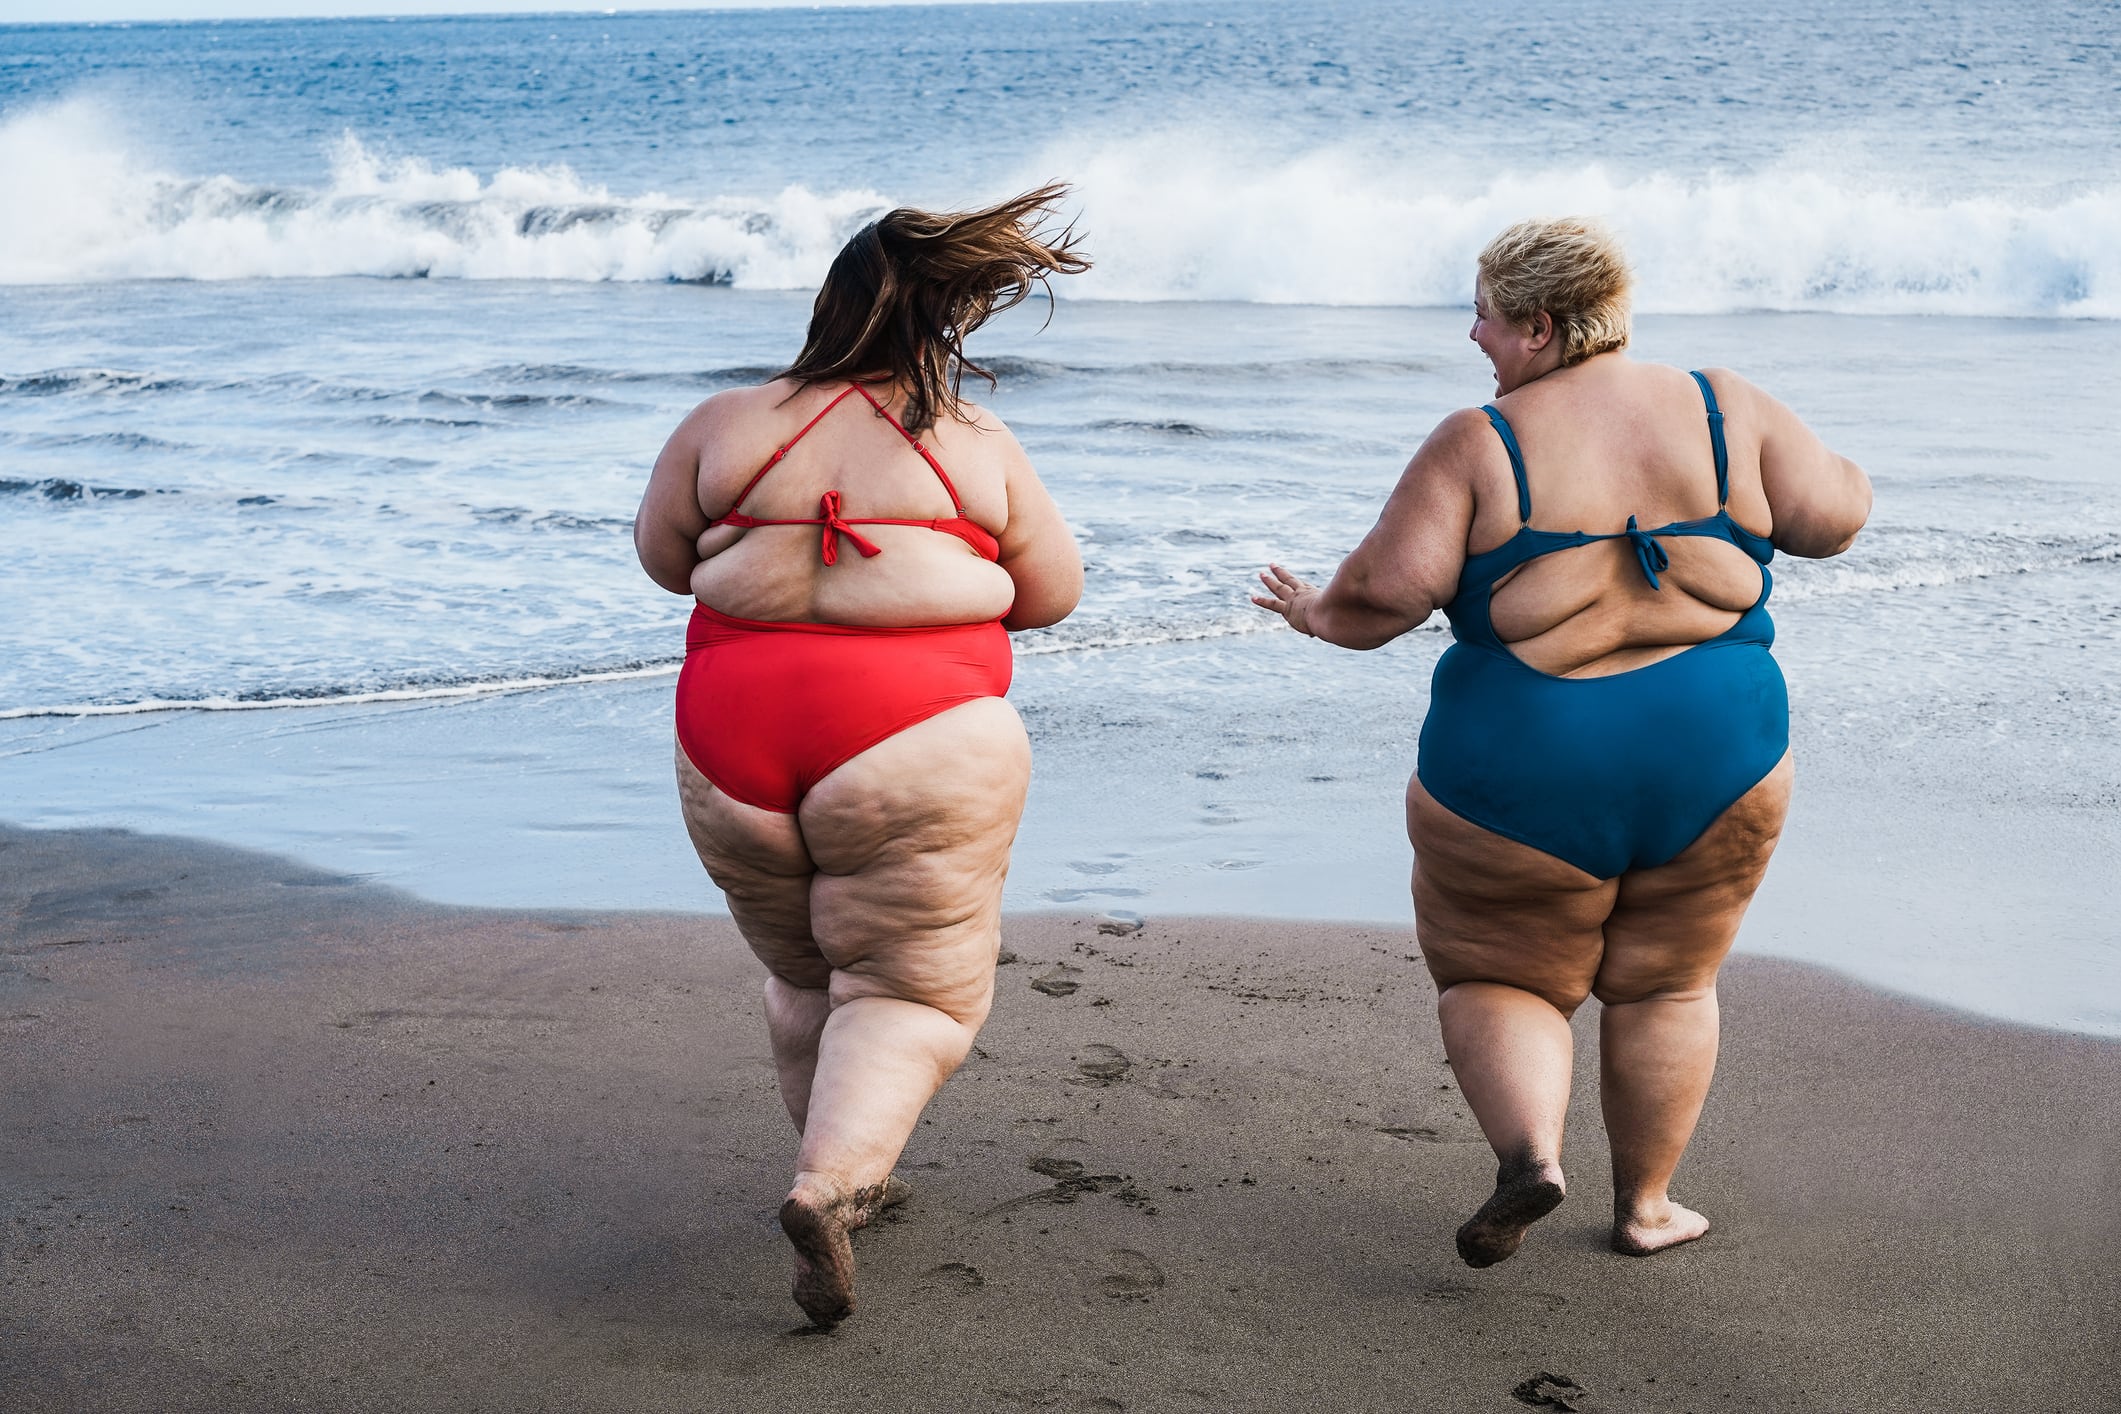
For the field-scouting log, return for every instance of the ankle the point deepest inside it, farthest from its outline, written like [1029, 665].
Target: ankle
[1529, 1169]
[819, 1188]
[1641, 1206]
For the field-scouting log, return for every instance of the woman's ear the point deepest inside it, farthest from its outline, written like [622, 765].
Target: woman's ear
[1542, 330]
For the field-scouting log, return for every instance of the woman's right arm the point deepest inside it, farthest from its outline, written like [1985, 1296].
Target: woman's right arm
[667, 528]
[1409, 563]
[1818, 498]
[1038, 550]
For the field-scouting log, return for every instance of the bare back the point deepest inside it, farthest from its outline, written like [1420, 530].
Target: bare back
[918, 577]
[777, 572]
[1604, 441]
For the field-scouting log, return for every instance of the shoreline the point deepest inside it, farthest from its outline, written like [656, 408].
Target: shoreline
[1928, 850]
[284, 1137]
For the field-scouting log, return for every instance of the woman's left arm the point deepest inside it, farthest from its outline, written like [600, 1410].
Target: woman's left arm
[667, 528]
[1038, 551]
[1410, 561]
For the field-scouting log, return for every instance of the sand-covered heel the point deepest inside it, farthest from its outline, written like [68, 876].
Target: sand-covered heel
[1498, 1229]
[824, 1260]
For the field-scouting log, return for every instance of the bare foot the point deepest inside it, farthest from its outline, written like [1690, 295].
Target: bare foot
[818, 1221]
[824, 1258]
[1652, 1227]
[1520, 1199]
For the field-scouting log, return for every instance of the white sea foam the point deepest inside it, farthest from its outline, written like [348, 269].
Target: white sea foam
[1173, 217]
[1935, 559]
[1184, 220]
[1917, 565]
[84, 207]
[437, 693]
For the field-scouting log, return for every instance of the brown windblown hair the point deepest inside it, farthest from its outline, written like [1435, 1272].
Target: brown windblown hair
[905, 293]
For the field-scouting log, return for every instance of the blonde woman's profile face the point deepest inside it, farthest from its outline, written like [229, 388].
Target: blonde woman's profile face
[1485, 324]
[1512, 349]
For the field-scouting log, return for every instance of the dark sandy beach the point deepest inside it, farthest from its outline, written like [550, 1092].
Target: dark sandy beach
[279, 1140]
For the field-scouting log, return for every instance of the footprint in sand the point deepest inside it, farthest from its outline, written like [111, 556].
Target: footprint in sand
[1550, 1391]
[1059, 982]
[1067, 1401]
[952, 1279]
[1130, 1276]
[1102, 1065]
[1166, 1083]
[1418, 1134]
[1457, 1292]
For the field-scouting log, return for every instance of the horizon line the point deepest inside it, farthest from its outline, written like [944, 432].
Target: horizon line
[289, 11]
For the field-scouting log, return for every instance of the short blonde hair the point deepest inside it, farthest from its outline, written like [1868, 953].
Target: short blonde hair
[1569, 267]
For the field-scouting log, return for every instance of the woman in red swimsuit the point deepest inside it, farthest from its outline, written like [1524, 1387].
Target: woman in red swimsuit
[851, 774]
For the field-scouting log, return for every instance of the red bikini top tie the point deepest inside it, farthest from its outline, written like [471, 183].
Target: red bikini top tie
[828, 507]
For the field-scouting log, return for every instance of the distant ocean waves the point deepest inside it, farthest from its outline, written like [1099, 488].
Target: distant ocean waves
[1175, 218]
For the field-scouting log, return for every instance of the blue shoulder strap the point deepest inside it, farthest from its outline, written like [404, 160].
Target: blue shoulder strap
[1501, 425]
[1723, 457]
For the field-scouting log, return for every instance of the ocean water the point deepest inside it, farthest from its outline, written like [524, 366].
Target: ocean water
[333, 356]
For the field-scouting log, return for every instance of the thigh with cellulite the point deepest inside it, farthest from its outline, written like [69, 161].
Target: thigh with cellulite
[758, 860]
[1671, 925]
[911, 843]
[1489, 909]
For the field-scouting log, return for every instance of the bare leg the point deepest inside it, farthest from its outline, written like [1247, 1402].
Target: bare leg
[1665, 941]
[877, 910]
[795, 1018]
[880, 1061]
[911, 840]
[1512, 938]
[1655, 1057]
[760, 862]
[1511, 1052]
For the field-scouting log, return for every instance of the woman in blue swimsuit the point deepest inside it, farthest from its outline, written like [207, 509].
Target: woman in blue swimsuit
[1605, 766]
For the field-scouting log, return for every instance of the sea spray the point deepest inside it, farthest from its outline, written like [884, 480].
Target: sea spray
[1175, 216]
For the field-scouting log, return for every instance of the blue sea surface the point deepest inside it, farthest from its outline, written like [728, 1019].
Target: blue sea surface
[333, 355]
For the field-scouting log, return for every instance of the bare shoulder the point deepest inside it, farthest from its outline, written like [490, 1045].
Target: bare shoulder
[982, 432]
[1460, 455]
[1751, 413]
[1459, 447]
[730, 433]
[984, 420]
[732, 407]
[1735, 392]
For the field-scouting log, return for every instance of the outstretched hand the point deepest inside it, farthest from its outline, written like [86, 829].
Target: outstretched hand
[1288, 596]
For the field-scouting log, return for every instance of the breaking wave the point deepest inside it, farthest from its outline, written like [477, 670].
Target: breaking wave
[1172, 217]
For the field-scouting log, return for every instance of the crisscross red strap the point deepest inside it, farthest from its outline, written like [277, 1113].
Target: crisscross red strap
[775, 460]
[834, 525]
[926, 456]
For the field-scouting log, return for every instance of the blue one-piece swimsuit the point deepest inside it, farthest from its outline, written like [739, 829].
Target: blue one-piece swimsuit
[1608, 773]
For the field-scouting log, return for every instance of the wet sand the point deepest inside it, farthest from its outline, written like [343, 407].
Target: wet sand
[275, 1139]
